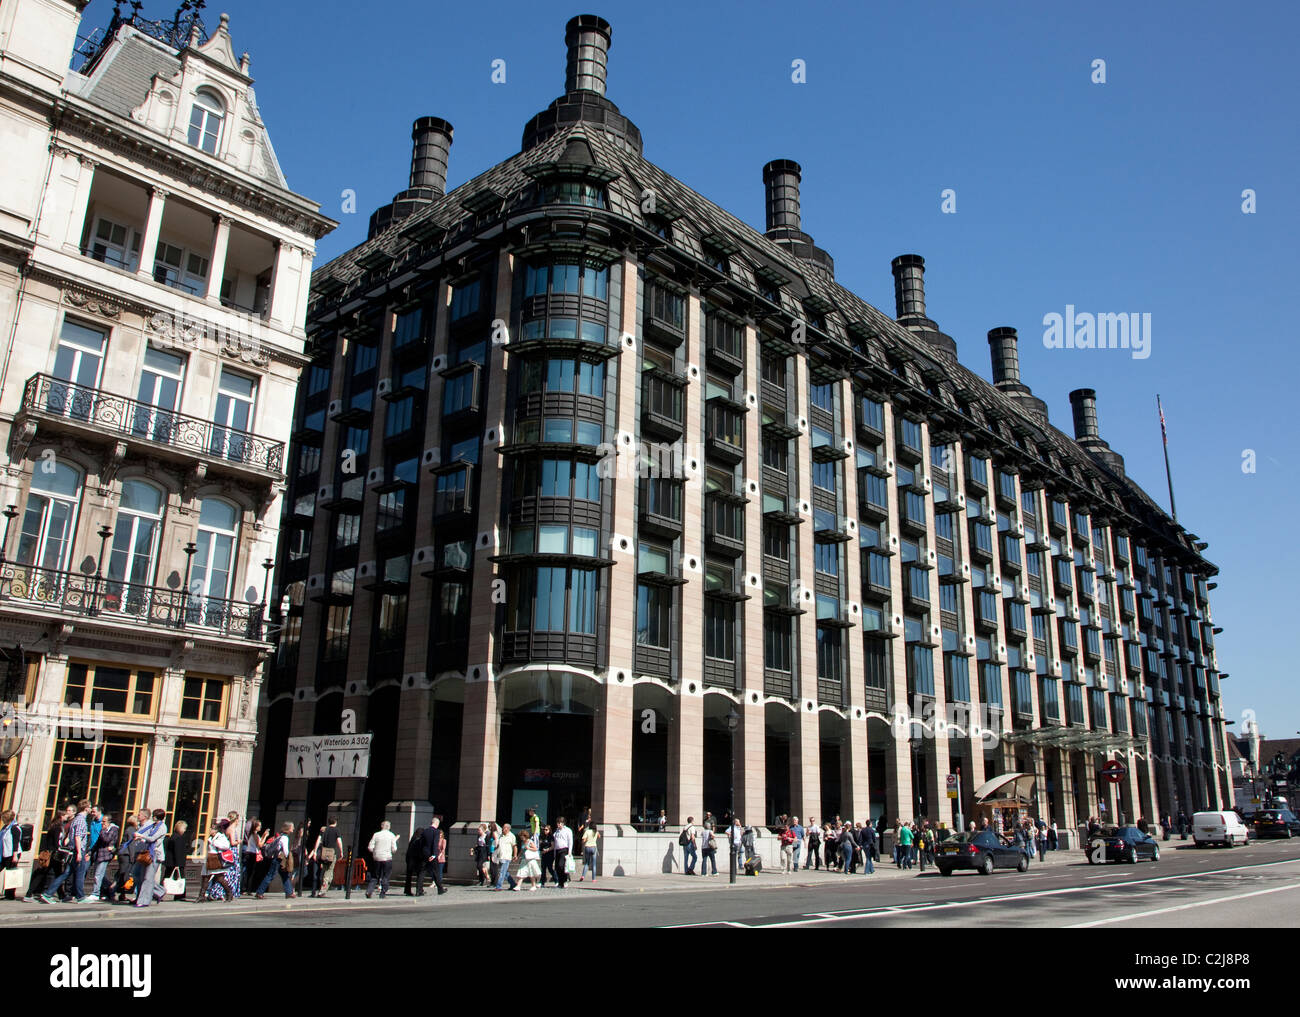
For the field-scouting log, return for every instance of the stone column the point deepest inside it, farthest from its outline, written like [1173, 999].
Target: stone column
[232, 791]
[217, 264]
[611, 756]
[158, 775]
[80, 203]
[805, 738]
[152, 230]
[750, 759]
[284, 284]
[686, 757]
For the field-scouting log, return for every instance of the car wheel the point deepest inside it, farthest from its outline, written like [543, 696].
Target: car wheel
[945, 871]
[1288, 833]
[1155, 854]
[1023, 866]
[986, 866]
[1132, 856]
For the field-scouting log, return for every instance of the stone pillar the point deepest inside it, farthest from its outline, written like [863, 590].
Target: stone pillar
[80, 203]
[217, 264]
[750, 758]
[284, 284]
[480, 746]
[686, 758]
[32, 778]
[152, 230]
[805, 762]
[611, 753]
[304, 289]
[232, 790]
[158, 772]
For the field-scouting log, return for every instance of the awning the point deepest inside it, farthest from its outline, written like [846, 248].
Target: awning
[1009, 785]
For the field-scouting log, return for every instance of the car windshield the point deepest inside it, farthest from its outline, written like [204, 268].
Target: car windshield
[1269, 815]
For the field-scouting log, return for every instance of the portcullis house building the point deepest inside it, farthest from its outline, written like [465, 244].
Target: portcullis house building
[602, 497]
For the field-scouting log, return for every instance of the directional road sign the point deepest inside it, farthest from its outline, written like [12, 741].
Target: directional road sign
[328, 756]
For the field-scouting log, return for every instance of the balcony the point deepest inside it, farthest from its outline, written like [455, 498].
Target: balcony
[663, 405]
[661, 507]
[87, 596]
[724, 532]
[725, 434]
[90, 413]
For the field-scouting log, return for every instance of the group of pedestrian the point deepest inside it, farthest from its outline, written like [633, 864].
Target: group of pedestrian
[536, 852]
[80, 845]
[699, 845]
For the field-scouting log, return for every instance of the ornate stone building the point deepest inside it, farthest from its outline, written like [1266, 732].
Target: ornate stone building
[602, 497]
[154, 269]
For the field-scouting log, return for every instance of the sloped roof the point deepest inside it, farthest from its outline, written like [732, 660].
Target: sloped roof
[700, 218]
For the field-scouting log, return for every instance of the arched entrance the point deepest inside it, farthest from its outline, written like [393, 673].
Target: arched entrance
[547, 730]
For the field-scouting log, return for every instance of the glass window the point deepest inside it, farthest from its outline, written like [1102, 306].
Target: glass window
[206, 117]
[50, 519]
[135, 536]
[203, 699]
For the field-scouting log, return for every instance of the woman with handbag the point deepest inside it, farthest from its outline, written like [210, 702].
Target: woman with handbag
[49, 863]
[149, 858]
[122, 881]
[252, 855]
[176, 851]
[224, 885]
[11, 853]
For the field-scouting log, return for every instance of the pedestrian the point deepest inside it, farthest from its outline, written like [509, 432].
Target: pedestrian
[662, 823]
[224, 885]
[687, 841]
[11, 850]
[1042, 843]
[480, 854]
[76, 853]
[277, 852]
[102, 850]
[506, 849]
[847, 848]
[176, 850]
[1053, 837]
[590, 843]
[149, 850]
[736, 840]
[435, 852]
[708, 851]
[530, 864]
[814, 847]
[123, 881]
[828, 846]
[417, 856]
[328, 850]
[493, 865]
[905, 842]
[546, 848]
[250, 854]
[563, 839]
[867, 841]
[798, 832]
[534, 822]
[381, 847]
[786, 840]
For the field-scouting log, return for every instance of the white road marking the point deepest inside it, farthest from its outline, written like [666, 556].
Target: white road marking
[1182, 907]
[887, 912]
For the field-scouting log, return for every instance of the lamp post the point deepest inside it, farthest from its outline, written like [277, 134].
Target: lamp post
[103, 533]
[190, 550]
[267, 565]
[10, 513]
[733, 721]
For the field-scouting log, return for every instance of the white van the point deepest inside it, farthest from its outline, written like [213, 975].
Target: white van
[1219, 828]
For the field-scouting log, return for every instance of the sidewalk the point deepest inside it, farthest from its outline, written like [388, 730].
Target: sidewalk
[675, 882]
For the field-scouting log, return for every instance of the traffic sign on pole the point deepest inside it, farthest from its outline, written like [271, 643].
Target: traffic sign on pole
[328, 756]
[951, 784]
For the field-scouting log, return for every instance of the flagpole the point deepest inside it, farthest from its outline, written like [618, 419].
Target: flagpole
[1169, 477]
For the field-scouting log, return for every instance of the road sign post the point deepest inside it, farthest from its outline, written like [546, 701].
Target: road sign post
[332, 757]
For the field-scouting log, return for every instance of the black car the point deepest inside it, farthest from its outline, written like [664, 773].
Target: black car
[1276, 823]
[1123, 844]
[983, 851]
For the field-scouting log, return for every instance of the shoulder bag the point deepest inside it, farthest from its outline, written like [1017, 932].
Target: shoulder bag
[175, 884]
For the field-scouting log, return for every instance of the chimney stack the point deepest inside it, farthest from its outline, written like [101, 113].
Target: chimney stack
[781, 182]
[909, 286]
[431, 149]
[1006, 356]
[587, 37]
[1083, 401]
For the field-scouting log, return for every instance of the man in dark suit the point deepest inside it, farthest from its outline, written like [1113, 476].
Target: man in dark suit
[432, 839]
[415, 859]
[867, 841]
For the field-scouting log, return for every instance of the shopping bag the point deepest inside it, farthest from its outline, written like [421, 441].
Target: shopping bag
[174, 884]
[11, 880]
[569, 866]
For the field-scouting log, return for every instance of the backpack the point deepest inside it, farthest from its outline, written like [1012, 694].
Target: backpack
[684, 839]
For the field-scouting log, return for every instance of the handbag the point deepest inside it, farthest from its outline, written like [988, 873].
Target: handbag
[11, 880]
[143, 858]
[174, 884]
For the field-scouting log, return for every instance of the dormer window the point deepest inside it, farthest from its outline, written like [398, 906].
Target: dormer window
[573, 192]
[205, 121]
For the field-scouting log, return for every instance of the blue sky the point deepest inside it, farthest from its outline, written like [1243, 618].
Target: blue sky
[1116, 197]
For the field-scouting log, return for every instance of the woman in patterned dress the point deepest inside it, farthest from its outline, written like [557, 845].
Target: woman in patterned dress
[224, 886]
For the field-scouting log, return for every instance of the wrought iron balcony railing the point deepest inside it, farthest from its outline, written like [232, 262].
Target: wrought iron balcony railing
[97, 596]
[48, 396]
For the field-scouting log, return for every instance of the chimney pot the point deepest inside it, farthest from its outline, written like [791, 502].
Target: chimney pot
[1083, 401]
[431, 149]
[588, 39]
[909, 286]
[781, 179]
[1006, 356]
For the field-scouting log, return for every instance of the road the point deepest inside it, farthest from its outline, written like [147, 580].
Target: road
[1257, 886]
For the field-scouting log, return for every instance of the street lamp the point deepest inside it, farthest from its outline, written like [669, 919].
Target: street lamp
[190, 550]
[104, 533]
[733, 721]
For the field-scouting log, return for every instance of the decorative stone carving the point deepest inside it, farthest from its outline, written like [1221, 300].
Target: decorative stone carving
[92, 303]
[113, 460]
[193, 480]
